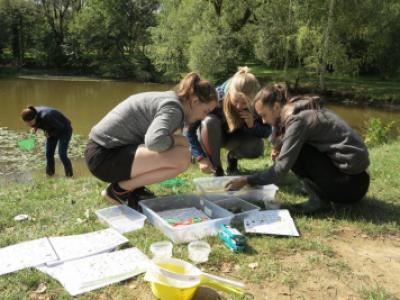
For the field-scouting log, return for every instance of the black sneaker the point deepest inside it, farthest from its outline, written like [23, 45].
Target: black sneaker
[232, 168]
[219, 172]
[112, 195]
[144, 193]
[133, 201]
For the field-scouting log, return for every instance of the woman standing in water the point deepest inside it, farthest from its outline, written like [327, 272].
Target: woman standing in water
[57, 129]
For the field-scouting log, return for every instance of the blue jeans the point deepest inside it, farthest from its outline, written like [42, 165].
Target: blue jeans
[50, 149]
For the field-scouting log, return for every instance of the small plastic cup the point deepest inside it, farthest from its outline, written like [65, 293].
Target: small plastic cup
[199, 251]
[161, 249]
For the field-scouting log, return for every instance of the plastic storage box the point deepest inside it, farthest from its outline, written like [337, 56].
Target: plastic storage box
[261, 194]
[122, 218]
[184, 234]
[238, 207]
[212, 184]
[213, 188]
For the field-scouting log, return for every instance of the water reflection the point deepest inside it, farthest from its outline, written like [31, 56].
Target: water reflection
[85, 102]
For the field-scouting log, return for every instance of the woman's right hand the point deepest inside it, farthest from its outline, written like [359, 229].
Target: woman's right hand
[236, 184]
[274, 154]
[180, 140]
[206, 165]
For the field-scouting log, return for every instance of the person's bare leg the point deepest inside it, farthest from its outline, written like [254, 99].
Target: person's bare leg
[151, 167]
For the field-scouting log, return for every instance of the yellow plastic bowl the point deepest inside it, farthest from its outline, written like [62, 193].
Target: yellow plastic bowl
[165, 292]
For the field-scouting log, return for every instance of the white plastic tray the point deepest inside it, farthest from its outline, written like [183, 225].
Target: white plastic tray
[213, 188]
[243, 208]
[184, 234]
[122, 218]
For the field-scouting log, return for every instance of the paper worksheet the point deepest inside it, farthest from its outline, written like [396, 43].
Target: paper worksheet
[77, 246]
[274, 222]
[25, 255]
[89, 273]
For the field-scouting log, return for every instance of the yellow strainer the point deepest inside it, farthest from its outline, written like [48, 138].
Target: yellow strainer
[175, 279]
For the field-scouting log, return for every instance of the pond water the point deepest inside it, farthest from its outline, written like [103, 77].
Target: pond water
[85, 101]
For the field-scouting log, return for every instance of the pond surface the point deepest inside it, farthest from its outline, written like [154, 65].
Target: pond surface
[85, 101]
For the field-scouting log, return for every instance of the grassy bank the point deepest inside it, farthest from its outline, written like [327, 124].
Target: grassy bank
[351, 253]
[364, 90]
[341, 88]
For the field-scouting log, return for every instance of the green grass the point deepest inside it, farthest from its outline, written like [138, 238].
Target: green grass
[63, 206]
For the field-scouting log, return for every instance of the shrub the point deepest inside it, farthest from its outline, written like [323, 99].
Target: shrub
[378, 133]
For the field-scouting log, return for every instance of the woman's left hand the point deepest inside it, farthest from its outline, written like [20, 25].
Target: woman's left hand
[247, 117]
[236, 184]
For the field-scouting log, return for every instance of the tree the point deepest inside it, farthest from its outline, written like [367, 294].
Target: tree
[19, 19]
[115, 34]
[202, 35]
[58, 14]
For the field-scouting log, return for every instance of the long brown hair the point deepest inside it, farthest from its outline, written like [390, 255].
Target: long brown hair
[278, 93]
[191, 85]
[242, 82]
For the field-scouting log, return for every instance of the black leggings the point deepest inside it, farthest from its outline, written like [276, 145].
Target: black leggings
[333, 184]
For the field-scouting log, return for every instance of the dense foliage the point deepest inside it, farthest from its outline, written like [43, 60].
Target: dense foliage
[145, 38]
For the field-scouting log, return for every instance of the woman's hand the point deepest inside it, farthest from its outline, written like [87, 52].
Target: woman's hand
[247, 117]
[180, 140]
[236, 184]
[206, 165]
[274, 154]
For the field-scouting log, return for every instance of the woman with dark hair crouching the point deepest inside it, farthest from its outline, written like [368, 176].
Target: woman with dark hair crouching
[317, 145]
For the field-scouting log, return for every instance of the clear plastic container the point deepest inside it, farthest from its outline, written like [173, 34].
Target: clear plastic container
[264, 194]
[238, 207]
[213, 188]
[122, 218]
[212, 184]
[199, 251]
[161, 249]
[216, 215]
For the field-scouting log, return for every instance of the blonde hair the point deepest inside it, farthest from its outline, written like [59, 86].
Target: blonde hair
[245, 83]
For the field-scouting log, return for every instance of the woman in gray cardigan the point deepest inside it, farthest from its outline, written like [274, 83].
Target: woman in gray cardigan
[137, 143]
[317, 145]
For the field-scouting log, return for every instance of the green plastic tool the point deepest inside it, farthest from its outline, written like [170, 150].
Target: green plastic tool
[27, 144]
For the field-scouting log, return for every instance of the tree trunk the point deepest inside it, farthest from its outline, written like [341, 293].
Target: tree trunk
[287, 43]
[322, 68]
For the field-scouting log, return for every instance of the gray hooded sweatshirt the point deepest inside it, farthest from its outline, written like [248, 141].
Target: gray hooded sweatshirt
[325, 131]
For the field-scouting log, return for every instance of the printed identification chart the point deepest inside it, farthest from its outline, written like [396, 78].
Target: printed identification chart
[274, 222]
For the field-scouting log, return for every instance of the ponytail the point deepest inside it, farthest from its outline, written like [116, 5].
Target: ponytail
[192, 85]
[277, 93]
[29, 113]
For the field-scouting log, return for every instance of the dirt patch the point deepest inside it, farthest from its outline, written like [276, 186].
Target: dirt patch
[359, 262]
[375, 262]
